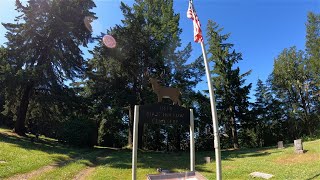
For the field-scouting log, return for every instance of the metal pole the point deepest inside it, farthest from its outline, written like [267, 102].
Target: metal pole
[135, 142]
[192, 149]
[214, 116]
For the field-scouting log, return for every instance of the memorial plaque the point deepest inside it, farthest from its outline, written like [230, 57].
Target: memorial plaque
[164, 114]
[207, 159]
[261, 175]
[298, 147]
[177, 176]
[280, 145]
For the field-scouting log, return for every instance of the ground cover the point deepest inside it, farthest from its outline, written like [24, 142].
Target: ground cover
[47, 159]
[20, 155]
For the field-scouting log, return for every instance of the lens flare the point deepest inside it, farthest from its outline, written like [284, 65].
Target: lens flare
[87, 22]
[109, 41]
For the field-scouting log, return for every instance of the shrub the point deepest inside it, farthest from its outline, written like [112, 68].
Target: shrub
[111, 133]
[78, 131]
[102, 134]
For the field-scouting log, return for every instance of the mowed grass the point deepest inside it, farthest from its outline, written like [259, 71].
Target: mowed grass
[21, 155]
[282, 163]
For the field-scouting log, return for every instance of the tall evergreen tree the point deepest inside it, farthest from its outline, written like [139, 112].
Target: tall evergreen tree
[3, 70]
[3, 77]
[43, 47]
[203, 122]
[266, 121]
[232, 94]
[147, 41]
[313, 61]
[263, 98]
[313, 47]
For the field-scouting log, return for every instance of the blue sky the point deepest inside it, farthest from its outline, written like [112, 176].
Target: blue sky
[260, 29]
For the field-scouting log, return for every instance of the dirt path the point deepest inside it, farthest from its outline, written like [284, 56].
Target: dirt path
[42, 170]
[82, 175]
[34, 173]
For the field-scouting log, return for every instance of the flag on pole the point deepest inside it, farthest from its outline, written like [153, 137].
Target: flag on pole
[191, 14]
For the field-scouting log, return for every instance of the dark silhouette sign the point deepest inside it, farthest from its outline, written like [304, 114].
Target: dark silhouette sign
[164, 114]
[165, 92]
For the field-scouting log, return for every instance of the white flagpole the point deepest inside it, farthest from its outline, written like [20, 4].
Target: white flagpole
[213, 110]
[214, 116]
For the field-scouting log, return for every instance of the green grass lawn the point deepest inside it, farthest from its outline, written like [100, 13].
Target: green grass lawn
[20, 155]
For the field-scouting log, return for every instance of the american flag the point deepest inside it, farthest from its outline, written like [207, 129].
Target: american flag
[191, 14]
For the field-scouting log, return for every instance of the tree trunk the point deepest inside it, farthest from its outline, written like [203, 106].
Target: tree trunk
[22, 110]
[308, 123]
[234, 134]
[178, 139]
[167, 142]
[130, 131]
[140, 135]
[234, 130]
[94, 137]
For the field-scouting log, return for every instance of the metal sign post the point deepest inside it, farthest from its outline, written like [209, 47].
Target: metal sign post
[135, 142]
[192, 149]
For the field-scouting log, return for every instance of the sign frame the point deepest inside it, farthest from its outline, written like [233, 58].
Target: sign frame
[135, 138]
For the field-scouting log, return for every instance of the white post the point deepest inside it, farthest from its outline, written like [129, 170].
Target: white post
[192, 150]
[214, 116]
[135, 142]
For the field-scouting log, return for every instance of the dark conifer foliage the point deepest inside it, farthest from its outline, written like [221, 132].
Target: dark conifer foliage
[147, 46]
[43, 55]
[231, 91]
[43, 48]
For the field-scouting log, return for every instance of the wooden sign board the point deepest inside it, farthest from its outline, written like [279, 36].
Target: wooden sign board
[164, 114]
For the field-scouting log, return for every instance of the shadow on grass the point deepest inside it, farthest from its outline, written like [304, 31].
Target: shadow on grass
[41, 145]
[228, 155]
[122, 158]
[148, 160]
[86, 156]
[314, 177]
[171, 161]
[232, 154]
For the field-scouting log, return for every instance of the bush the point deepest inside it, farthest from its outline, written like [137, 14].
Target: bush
[78, 131]
[6, 121]
[111, 133]
[102, 134]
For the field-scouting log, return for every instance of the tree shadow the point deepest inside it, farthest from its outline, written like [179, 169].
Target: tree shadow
[314, 177]
[152, 160]
[201, 169]
[229, 155]
[41, 145]
[116, 158]
[171, 161]
[63, 155]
